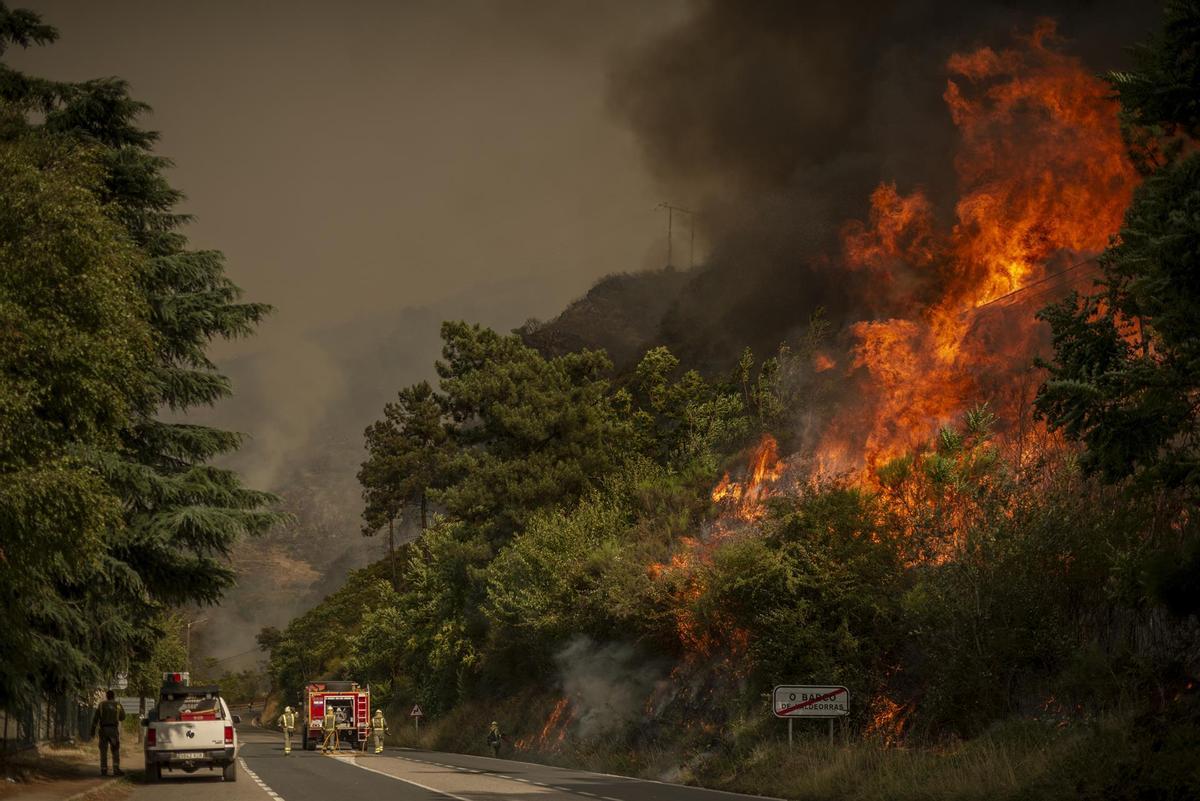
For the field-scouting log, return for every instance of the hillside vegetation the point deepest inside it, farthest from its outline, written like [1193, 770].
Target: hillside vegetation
[619, 570]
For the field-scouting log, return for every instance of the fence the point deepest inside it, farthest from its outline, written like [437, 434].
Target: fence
[45, 720]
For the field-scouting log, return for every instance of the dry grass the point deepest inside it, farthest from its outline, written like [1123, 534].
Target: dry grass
[1016, 760]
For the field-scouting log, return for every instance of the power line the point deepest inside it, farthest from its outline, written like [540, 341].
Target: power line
[1032, 284]
[692, 229]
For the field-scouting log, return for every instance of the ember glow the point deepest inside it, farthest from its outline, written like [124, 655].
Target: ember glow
[1043, 181]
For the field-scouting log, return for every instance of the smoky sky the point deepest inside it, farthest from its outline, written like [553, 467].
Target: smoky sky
[363, 156]
[370, 168]
[776, 119]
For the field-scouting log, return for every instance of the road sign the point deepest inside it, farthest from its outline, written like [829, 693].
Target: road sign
[810, 701]
[416, 713]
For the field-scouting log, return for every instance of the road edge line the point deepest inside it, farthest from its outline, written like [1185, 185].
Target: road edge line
[592, 772]
[83, 794]
[265, 787]
[353, 761]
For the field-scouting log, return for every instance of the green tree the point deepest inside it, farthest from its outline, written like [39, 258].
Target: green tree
[576, 570]
[682, 417]
[408, 452]
[1125, 377]
[532, 432]
[182, 514]
[75, 352]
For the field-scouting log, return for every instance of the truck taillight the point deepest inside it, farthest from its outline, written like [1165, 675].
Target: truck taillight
[228, 735]
[151, 737]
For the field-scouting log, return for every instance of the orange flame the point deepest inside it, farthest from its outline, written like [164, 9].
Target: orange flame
[1044, 180]
[764, 469]
[888, 720]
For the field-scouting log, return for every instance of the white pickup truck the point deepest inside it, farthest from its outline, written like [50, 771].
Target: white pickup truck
[191, 728]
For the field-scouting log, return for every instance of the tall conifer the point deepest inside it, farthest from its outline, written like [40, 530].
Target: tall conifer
[182, 515]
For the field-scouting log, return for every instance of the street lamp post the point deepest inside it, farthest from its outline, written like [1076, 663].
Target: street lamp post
[189, 625]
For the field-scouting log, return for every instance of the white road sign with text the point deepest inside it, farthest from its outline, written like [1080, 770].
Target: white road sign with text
[810, 701]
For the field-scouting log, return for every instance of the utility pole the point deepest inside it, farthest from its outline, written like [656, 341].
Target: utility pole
[670, 228]
[189, 625]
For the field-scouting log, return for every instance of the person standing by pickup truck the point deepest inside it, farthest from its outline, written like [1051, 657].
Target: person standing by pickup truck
[287, 722]
[107, 719]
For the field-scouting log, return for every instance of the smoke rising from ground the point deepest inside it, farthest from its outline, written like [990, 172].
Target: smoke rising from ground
[606, 683]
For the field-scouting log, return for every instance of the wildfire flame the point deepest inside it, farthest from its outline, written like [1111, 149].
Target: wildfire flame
[554, 731]
[887, 721]
[764, 469]
[739, 502]
[1043, 178]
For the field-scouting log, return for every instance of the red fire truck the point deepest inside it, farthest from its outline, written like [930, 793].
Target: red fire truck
[351, 707]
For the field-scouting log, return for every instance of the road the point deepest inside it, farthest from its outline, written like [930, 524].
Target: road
[265, 774]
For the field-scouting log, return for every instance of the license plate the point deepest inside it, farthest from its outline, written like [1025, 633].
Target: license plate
[188, 755]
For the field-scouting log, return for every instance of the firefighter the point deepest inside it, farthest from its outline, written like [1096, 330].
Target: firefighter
[107, 719]
[331, 732]
[494, 738]
[287, 722]
[378, 729]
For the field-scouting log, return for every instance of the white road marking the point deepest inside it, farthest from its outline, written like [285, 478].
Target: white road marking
[595, 773]
[259, 781]
[354, 762]
[522, 779]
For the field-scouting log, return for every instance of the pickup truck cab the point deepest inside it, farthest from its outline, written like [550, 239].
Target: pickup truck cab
[191, 728]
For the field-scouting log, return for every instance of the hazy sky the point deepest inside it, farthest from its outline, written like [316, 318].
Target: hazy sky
[355, 157]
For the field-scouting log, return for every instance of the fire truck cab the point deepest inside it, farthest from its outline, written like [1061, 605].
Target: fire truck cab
[351, 705]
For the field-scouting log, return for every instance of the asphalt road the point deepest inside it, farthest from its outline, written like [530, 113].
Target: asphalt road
[406, 775]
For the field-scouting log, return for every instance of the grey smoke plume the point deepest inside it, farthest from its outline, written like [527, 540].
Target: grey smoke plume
[607, 684]
[774, 120]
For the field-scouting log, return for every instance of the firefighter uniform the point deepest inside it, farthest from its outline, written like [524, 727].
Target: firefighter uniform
[107, 720]
[331, 732]
[287, 722]
[494, 738]
[378, 728]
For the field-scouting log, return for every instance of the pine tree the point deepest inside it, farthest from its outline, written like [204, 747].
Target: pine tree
[532, 432]
[407, 455]
[182, 514]
[1125, 379]
[75, 347]
[1126, 371]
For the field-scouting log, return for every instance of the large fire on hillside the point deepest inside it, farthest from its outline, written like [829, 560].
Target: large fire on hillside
[1043, 181]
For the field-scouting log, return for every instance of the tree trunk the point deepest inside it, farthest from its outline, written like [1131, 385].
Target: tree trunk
[424, 520]
[392, 552]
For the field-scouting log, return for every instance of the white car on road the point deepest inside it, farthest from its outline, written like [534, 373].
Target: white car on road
[191, 728]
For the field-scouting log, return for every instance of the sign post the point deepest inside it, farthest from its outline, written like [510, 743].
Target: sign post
[793, 701]
[417, 714]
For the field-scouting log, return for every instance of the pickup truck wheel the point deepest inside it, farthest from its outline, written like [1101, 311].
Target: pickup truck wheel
[154, 773]
[229, 773]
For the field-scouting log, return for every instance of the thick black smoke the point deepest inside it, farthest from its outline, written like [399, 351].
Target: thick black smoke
[775, 119]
